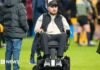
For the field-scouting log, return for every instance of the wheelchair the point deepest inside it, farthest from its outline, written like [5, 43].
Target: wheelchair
[65, 61]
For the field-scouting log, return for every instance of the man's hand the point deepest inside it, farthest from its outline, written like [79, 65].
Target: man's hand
[68, 33]
[40, 30]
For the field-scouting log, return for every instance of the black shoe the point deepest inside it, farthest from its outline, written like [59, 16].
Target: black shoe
[47, 62]
[58, 62]
[32, 61]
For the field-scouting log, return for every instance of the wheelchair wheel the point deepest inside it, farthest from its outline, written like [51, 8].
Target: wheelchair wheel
[66, 63]
[34, 68]
[37, 68]
[52, 68]
[39, 65]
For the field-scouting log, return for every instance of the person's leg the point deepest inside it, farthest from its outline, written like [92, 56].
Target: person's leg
[8, 54]
[17, 43]
[61, 38]
[99, 32]
[44, 42]
[33, 50]
[98, 49]
[62, 41]
[87, 29]
[98, 29]
[80, 28]
[79, 34]
[30, 23]
[92, 28]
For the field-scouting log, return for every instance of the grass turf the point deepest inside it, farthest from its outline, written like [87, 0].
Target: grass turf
[82, 57]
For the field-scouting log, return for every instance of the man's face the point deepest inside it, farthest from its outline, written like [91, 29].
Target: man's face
[53, 10]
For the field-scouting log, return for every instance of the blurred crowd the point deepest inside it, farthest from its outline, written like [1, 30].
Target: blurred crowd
[83, 15]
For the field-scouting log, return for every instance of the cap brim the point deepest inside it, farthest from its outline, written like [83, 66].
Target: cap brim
[53, 5]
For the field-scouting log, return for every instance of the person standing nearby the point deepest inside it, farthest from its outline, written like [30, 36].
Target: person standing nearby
[1, 25]
[83, 10]
[28, 6]
[38, 8]
[15, 29]
[98, 20]
[98, 49]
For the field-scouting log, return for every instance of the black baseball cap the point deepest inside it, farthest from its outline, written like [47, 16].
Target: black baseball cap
[52, 3]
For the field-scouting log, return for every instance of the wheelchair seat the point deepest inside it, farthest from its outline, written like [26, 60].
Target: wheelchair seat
[53, 44]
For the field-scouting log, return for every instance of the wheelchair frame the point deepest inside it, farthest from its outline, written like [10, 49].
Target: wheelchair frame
[53, 56]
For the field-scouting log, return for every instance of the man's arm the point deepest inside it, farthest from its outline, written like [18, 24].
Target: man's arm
[22, 17]
[65, 24]
[38, 25]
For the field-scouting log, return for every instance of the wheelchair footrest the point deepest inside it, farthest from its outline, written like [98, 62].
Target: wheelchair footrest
[53, 63]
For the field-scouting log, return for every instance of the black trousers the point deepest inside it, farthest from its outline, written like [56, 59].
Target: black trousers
[92, 28]
[61, 38]
[98, 49]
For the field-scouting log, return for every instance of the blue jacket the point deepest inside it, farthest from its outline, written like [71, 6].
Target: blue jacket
[1, 1]
[38, 7]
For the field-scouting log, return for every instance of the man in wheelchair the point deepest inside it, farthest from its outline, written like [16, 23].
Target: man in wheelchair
[52, 27]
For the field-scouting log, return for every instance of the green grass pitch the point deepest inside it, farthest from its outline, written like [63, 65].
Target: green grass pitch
[82, 57]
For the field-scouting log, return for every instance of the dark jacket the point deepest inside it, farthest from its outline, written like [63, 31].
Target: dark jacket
[98, 7]
[93, 9]
[38, 9]
[11, 2]
[1, 7]
[67, 8]
[15, 21]
[67, 5]
[1, 1]
[24, 2]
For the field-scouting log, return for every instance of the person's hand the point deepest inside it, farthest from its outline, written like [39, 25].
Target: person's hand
[40, 30]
